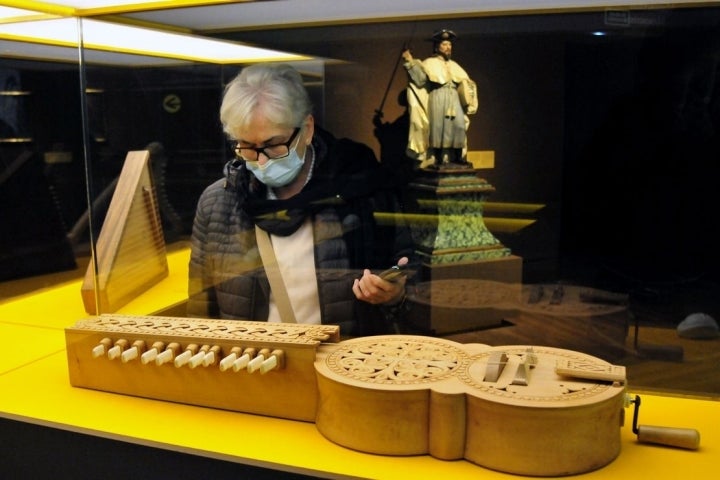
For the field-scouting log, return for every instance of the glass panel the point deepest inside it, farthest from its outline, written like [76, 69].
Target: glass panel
[161, 110]
[41, 164]
[596, 133]
[170, 111]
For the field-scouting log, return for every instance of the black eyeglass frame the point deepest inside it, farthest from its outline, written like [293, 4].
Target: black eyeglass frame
[258, 150]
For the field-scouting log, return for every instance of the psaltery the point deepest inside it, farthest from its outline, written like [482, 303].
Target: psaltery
[130, 254]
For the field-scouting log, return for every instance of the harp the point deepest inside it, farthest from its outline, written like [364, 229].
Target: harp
[130, 251]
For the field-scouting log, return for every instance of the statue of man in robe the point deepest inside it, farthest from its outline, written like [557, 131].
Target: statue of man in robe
[440, 96]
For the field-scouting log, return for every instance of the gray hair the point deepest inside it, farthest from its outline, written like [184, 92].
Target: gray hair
[277, 89]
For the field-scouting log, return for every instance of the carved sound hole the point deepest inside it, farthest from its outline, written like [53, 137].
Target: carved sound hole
[396, 361]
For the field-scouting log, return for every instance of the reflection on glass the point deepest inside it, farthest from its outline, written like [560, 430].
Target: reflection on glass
[601, 150]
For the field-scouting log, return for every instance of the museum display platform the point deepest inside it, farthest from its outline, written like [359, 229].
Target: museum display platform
[48, 426]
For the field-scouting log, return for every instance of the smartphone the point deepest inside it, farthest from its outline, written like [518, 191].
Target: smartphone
[393, 273]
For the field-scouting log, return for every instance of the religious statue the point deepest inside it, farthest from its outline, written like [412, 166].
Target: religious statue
[440, 96]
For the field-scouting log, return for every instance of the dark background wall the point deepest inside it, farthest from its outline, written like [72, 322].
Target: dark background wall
[520, 78]
[615, 134]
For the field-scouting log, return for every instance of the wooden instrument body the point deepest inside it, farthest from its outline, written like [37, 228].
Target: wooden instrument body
[286, 392]
[409, 395]
[508, 408]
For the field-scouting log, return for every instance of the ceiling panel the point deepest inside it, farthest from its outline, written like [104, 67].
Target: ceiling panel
[289, 13]
[36, 51]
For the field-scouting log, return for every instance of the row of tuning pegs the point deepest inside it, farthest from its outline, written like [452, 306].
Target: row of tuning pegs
[194, 355]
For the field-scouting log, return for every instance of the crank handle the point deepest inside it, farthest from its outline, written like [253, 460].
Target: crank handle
[688, 438]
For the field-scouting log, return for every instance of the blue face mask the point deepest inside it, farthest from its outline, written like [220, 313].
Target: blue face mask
[278, 172]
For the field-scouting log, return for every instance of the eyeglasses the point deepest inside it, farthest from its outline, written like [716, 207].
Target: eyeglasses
[272, 152]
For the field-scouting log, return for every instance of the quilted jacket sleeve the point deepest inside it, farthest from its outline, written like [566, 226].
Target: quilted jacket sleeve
[201, 292]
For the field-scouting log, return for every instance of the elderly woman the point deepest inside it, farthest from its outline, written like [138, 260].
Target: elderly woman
[290, 234]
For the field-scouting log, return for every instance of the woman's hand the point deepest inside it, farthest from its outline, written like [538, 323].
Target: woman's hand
[373, 289]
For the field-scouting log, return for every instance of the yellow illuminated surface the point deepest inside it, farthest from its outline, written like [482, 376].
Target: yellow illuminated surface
[35, 388]
[11, 14]
[101, 7]
[113, 37]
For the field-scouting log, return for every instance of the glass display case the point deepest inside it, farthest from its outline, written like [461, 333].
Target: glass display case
[593, 158]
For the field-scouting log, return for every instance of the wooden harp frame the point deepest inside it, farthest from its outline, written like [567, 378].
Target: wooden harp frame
[130, 250]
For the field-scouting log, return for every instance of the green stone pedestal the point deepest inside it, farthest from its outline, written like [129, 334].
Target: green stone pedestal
[457, 251]
[448, 227]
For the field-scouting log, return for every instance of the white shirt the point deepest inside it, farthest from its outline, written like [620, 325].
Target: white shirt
[296, 259]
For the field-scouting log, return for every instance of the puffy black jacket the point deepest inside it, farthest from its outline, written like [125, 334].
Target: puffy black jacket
[344, 199]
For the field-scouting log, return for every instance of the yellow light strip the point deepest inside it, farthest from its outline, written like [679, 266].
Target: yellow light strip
[507, 225]
[509, 207]
[60, 32]
[104, 7]
[113, 37]
[80, 8]
[494, 224]
[10, 15]
[488, 207]
[42, 7]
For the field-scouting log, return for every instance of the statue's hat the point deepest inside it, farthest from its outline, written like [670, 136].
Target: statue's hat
[443, 34]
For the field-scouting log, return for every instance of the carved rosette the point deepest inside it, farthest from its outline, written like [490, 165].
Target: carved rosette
[396, 360]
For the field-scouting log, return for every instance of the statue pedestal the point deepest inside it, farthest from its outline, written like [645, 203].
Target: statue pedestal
[448, 227]
[456, 250]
